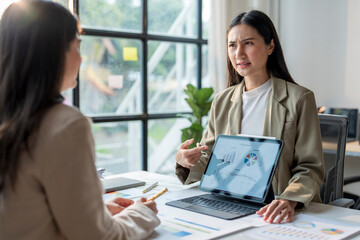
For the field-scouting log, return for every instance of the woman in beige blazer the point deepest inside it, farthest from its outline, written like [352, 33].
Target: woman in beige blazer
[255, 61]
[49, 187]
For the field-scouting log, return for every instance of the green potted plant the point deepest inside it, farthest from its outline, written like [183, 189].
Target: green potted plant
[199, 101]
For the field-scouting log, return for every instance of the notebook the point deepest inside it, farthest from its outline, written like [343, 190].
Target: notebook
[119, 183]
[238, 176]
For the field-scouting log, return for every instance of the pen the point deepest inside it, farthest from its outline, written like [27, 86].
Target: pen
[150, 187]
[153, 197]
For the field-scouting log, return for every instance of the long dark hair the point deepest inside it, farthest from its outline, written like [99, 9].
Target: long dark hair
[262, 23]
[34, 38]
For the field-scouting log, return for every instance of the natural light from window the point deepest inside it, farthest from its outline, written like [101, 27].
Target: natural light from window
[4, 4]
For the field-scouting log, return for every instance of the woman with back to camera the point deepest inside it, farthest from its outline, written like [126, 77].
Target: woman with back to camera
[49, 187]
[263, 99]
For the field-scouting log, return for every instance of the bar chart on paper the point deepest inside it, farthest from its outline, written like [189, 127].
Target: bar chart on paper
[285, 232]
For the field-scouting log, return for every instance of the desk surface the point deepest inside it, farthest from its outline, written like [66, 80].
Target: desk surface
[352, 148]
[320, 211]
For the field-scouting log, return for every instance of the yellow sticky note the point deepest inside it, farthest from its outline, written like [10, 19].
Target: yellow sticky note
[130, 54]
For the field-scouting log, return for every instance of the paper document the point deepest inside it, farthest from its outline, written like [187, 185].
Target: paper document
[181, 224]
[187, 225]
[171, 183]
[353, 218]
[137, 192]
[304, 227]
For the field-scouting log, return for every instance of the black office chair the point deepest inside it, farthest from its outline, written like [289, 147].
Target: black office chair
[334, 133]
[356, 198]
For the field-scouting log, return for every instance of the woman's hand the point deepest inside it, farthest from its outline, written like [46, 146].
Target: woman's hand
[279, 210]
[188, 157]
[150, 204]
[118, 204]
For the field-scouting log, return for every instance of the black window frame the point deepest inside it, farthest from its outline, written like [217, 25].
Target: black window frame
[144, 37]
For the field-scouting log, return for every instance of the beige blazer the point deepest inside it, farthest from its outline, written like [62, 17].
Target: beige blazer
[291, 115]
[58, 194]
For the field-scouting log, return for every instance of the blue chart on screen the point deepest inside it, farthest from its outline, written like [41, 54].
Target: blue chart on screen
[250, 159]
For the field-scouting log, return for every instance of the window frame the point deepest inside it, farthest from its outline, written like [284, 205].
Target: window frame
[144, 37]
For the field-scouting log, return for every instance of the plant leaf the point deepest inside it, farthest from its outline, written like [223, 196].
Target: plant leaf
[205, 108]
[196, 127]
[194, 131]
[191, 89]
[191, 96]
[186, 134]
[194, 107]
[200, 103]
[203, 95]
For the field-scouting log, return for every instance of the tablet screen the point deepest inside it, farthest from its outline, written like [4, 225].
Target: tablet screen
[241, 167]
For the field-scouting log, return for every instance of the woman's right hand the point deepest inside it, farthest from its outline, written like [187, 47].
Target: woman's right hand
[150, 204]
[188, 157]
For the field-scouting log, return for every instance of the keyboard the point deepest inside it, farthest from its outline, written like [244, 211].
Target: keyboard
[220, 205]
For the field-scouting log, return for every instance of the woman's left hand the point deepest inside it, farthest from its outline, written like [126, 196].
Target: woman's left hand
[118, 204]
[279, 210]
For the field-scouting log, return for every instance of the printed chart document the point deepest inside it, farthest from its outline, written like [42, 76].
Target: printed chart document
[183, 228]
[177, 223]
[304, 227]
[180, 224]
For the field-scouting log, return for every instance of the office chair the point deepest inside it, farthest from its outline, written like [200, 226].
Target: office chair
[334, 130]
[356, 198]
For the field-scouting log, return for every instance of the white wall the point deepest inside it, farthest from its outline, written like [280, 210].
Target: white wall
[321, 43]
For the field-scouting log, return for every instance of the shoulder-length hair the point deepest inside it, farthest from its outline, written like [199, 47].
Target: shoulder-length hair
[262, 23]
[34, 38]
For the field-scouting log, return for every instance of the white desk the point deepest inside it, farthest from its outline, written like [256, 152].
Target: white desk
[319, 211]
[322, 211]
